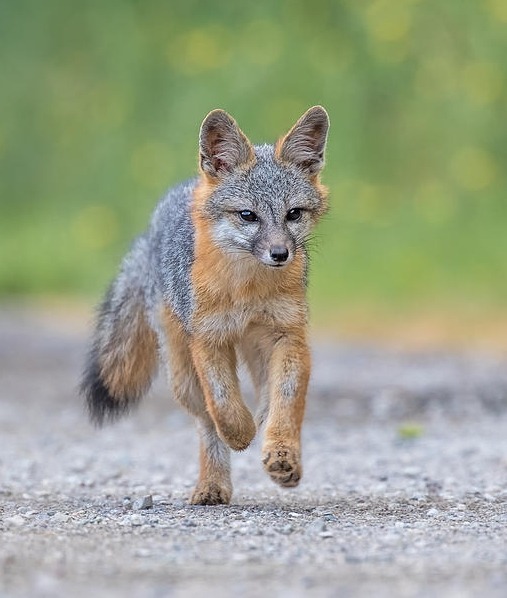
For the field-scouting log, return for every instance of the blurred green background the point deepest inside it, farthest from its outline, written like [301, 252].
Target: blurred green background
[101, 103]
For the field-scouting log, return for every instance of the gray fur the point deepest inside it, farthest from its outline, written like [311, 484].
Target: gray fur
[172, 240]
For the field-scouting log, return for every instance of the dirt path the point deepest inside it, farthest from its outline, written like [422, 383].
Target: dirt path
[404, 490]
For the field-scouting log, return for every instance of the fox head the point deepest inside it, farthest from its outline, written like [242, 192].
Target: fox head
[263, 200]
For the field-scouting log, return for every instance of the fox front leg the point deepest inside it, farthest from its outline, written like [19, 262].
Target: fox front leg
[216, 368]
[289, 371]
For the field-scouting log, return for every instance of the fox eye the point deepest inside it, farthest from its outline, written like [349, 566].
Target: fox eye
[248, 216]
[294, 214]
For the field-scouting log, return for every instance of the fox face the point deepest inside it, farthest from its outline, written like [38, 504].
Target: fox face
[265, 200]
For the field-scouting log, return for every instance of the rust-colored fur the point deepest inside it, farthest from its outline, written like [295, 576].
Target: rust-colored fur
[126, 370]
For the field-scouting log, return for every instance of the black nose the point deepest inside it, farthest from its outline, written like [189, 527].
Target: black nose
[279, 253]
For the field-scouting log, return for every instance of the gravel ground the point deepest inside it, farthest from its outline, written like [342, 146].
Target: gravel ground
[404, 490]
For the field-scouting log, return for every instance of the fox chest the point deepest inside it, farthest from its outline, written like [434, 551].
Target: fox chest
[231, 320]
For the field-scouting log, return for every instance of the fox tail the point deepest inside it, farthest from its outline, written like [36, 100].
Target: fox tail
[123, 357]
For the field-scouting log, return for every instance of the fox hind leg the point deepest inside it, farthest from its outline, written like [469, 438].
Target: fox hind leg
[214, 485]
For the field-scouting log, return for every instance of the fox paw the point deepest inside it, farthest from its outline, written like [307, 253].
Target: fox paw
[283, 466]
[211, 494]
[237, 434]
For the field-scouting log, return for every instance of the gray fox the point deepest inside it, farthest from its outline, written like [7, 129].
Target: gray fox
[220, 275]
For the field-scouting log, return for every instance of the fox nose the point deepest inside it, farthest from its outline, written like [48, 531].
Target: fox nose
[279, 253]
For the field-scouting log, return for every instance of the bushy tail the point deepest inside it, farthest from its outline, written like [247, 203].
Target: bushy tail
[124, 355]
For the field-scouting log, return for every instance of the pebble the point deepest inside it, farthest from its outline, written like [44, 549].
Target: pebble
[412, 471]
[135, 520]
[329, 517]
[318, 525]
[60, 518]
[432, 512]
[146, 502]
[15, 521]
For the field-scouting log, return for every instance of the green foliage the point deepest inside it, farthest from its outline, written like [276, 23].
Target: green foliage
[101, 104]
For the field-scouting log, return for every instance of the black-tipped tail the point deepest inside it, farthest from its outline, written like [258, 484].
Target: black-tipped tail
[124, 355]
[102, 406]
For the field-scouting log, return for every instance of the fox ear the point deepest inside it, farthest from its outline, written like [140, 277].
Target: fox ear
[305, 143]
[222, 145]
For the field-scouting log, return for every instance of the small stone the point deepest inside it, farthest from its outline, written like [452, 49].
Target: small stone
[412, 472]
[326, 534]
[146, 502]
[136, 520]
[353, 559]
[42, 493]
[432, 512]
[318, 525]
[15, 521]
[60, 518]
[418, 496]
[329, 517]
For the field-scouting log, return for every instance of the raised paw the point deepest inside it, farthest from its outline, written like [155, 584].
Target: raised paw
[211, 494]
[283, 465]
[237, 430]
